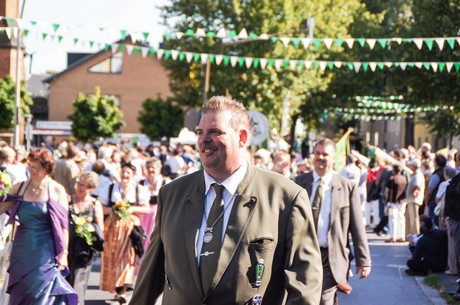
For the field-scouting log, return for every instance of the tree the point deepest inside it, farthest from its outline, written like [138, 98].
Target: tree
[160, 118]
[95, 116]
[8, 102]
[444, 123]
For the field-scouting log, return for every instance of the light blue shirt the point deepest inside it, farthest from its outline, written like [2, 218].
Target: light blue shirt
[229, 194]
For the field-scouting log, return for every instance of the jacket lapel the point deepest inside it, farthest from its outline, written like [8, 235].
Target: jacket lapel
[335, 198]
[193, 216]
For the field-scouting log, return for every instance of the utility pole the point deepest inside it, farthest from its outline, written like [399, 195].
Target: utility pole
[17, 128]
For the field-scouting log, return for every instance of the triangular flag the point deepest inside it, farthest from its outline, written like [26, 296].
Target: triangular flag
[44, 35]
[144, 51]
[322, 65]
[243, 34]
[350, 42]
[403, 66]
[426, 65]
[233, 60]
[60, 37]
[271, 62]
[442, 66]
[181, 56]
[434, 66]
[114, 47]
[451, 42]
[357, 66]
[145, 35]
[152, 52]
[361, 41]
[338, 64]
[204, 58]
[327, 42]
[123, 33]
[418, 65]
[106, 47]
[263, 63]
[91, 43]
[241, 61]
[381, 65]
[256, 62]
[330, 65]
[371, 43]
[295, 42]
[188, 56]
[305, 42]
[429, 43]
[56, 26]
[189, 33]
[382, 43]
[210, 34]
[440, 43]
[317, 43]
[221, 33]
[20, 23]
[121, 47]
[278, 63]
[178, 35]
[339, 42]
[457, 66]
[388, 64]
[418, 42]
[292, 64]
[248, 61]
[449, 66]
[174, 54]
[200, 33]
[137, 50]
[307, 64]
[285, 40]
[350, 65]
[373, 65]
[196, 57]
[129, 49]
[219, 59]
[226, 60]
[232, 34]
[264, 37]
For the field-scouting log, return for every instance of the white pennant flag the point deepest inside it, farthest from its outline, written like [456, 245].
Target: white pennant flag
[200, 33]
[20, 23]
[278, 63]
[322, 65]
[144, 51]
[371, 43]
[248, 62]
[292, 64]
[338, 64]
[398, 40]
[350, 42]
[204, 58]
[188, 56]
[10, 33]
[328, 42]
[129, 48]
[305, 42]
[233, 60]
[418, 42]
[114, 47]
[373, 66]
[243, 34]
[388, 64]
[458, 40]
[285, 40]
[440, 43]
[160, 53]
[357, 66]
[221, 33]
[179, 35]
[449, 66]
[263, 63]
[307, 64]
[419, 65]
[264, 37]
[403, 66]
[219, 59]
[174, 54]
[434, 65]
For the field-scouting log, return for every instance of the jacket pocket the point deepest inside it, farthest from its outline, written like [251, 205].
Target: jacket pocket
[262, 244]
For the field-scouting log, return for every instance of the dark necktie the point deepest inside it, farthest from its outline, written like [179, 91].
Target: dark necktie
[316, 205]
[211, 249]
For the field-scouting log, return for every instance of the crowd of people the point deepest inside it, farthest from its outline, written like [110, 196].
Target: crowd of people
[119, 189]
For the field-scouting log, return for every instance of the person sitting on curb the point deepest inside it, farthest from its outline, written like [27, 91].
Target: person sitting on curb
[430, 253]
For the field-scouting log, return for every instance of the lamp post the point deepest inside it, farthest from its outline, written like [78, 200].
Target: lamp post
[18, 83]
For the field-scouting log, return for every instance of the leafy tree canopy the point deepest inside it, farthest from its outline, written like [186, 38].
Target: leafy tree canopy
[8, 102]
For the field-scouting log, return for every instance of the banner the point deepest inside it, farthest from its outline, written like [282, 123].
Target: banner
[342, 149]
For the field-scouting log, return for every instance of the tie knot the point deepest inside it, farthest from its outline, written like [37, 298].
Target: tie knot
[320, 181]
[219, 188]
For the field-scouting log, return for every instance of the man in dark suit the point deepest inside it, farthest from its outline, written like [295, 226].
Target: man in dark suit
[260, 245]
[336, 211]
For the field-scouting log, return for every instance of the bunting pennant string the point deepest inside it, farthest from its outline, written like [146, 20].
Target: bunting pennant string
[420, 42]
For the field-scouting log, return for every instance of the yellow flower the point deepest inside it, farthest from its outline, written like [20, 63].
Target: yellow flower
[79, 221]
[6, 179]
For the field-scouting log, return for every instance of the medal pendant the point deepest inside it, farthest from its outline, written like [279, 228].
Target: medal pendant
[207, 237]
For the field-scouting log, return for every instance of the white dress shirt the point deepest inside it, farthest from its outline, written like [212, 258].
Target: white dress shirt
[229, 194]
[325, 213]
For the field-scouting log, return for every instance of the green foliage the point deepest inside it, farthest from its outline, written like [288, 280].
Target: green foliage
[95, 116]
[160, 118]
[8, 102]
[444, 123]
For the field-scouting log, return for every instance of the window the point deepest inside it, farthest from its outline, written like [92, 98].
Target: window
[113, 64]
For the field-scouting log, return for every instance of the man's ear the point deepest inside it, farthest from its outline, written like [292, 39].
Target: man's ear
[243, 137]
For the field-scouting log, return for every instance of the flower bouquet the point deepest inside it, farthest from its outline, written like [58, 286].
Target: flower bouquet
[121, 208]
[83, 228]
[5, 183]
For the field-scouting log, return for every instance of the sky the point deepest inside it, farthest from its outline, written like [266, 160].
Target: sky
[83, 18]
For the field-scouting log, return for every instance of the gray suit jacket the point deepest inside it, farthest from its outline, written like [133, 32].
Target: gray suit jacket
[270, 219]
[346, 218]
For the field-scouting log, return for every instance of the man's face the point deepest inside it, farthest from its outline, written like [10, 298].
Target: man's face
[323, 159]
[219, 145]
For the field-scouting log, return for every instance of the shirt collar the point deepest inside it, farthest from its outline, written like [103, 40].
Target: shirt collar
[326, 178]
[231, 183]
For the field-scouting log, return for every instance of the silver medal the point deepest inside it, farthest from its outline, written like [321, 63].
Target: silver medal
[207, 237]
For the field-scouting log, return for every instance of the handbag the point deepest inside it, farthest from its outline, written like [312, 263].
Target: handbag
[138, 237]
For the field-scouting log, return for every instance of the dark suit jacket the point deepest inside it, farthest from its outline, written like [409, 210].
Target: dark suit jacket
[270, 219]
[346, 217]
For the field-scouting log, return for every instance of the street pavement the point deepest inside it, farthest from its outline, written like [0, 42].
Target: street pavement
[387, 284]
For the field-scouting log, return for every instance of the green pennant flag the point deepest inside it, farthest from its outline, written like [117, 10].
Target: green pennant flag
[106, 47]
[274, 39]
[330, 65]
[411, 65]
[75, 40]
[339, 42]
[56, 26]
[60, 37]
[350, 65]
[426, 66]
[295, 42]
[407, 40]
[189, 32]
[181, 56]
[271, 62]
[361, 41]
[152, 52]
[317, 43]
[253, 36]
[211, 34]
[381, 65]
[9, 21]
[457, 66]
[451, 42]
[285, 64]
[121, 47]
[137, 50]
[167, 36]
[212, 58]
[33, 23]
[226, 60]
[429, 43]
[256, 62]
[123, 34]
[91, 43]
[196, 57]
[382, 42]
[441, 66]
[26, 32]
[301, 63]
[145, 35]
[44, 35]
[241, 61]
[396, 64]
[365, 66]
[233, 34]
[101, 29]
[167, 54]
